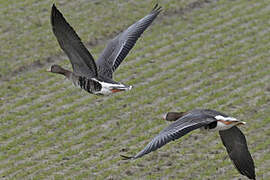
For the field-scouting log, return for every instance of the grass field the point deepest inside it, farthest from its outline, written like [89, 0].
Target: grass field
[197, 54]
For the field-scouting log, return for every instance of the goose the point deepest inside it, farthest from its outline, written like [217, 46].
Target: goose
[208, 120]
[96, 77]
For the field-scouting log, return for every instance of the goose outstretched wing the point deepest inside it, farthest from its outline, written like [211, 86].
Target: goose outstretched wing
[176, 130]
[82, 61]
[235, 142]
[119, 47]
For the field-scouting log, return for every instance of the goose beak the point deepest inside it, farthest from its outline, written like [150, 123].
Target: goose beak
[242, 123]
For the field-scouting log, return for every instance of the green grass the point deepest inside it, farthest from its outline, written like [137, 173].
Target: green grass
[195, 55]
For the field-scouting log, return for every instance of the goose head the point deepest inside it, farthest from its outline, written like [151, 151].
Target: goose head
[57, 69]
[173, 116]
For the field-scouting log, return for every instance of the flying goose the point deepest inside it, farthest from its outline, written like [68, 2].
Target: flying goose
[206, 119]
[96, 77]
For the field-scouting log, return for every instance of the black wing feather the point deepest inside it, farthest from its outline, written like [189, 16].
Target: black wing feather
[82, 61]
[235, 142]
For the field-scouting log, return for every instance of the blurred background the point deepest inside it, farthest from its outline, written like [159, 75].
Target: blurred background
[197, 54]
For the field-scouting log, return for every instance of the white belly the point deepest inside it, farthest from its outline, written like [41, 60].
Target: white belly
[221, 126]
[108, 87]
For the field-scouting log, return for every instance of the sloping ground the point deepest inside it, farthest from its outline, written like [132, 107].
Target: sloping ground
[200, 54]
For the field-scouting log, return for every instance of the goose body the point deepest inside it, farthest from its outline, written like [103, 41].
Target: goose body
[96, 77]
[209, 120]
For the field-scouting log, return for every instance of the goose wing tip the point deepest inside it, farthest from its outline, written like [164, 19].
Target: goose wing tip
[157, 8]
[54, 14]
[124, 157]
[54, 8]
